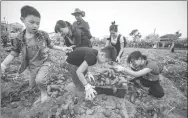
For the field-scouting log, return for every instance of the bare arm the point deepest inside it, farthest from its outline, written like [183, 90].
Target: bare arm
[137, 73]
[107, 43]
[80, 72]
[8, 59]
[122, 49]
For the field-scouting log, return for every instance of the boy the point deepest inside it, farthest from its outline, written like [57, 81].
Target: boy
[83, 57]
[32, 43]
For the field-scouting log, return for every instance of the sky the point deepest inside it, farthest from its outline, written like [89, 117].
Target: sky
[166, 16]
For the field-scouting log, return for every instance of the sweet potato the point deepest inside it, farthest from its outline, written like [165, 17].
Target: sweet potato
[107, 113]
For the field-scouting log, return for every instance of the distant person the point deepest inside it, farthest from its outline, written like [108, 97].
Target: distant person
[80, 59]
[146, 71]
[116, 40]
[32, 44]
[73, 37]
[80, 23]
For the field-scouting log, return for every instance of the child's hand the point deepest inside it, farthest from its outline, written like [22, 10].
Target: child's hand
[3, 67]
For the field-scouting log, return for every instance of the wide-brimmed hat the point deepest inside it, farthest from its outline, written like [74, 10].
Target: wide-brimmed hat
[78, 11]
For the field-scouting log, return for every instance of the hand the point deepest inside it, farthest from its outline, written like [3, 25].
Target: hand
[90, 76]
[118, 59]
[90, 92]
[68, 49]
[119, 68]
[111, 72]
[3, 67]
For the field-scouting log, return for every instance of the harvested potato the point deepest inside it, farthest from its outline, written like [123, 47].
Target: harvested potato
[107, 81]
[102, 83]
[117, 111]
[107, 113]
[104, 97]
[118, 106]
[122, 114]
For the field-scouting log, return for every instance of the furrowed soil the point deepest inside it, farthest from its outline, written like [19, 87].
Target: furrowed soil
[16, 102]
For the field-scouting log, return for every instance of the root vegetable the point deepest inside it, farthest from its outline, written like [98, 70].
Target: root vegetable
[114, 89]
[118, 106]
[122, 114]
[107, 81]
[107, 113]
[117, 111]
[115, 81]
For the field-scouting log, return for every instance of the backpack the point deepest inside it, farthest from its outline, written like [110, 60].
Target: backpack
[125, 41]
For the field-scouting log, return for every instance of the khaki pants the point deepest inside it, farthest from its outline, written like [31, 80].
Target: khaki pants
[38, 76]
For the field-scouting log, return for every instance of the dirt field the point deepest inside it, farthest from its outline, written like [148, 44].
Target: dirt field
[16, 104]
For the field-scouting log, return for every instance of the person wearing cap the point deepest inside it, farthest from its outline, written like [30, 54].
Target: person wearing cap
[80, 23]
[116, 40]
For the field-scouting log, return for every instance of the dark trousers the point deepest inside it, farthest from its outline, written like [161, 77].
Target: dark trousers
[155, 88]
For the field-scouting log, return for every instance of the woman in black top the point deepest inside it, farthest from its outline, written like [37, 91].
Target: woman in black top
[74, 38]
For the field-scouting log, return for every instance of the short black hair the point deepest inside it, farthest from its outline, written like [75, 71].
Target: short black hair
[62, 24]
[29, 10]
[135, 56]
[110, 52]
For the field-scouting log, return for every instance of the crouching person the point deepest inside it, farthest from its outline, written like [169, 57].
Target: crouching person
[146, 71]
[83, 57]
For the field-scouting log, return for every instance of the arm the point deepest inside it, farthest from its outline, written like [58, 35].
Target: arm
[122, 49]
[8, 59]
[60, 48]
[137, 73]
[107, 43]
[80, 72]
[52, 46]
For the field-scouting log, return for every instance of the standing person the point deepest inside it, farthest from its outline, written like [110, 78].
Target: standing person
[146, 71]
[80, 23]
[116, 40]
[32, 44]
[80, 59]
[73, 37]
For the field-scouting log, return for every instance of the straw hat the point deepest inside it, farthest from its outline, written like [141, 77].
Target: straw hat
[78, 11]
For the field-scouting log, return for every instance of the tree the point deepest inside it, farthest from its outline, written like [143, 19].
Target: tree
[136, 36]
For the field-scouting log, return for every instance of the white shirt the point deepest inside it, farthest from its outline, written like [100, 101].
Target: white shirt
[114, 40]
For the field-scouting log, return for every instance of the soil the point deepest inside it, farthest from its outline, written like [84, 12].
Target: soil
[17, 102]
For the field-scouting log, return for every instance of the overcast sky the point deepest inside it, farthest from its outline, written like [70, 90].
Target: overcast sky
[166, 16]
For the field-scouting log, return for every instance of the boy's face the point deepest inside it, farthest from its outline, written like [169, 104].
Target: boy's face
[78, 17]
[101, 57]
[31, 23]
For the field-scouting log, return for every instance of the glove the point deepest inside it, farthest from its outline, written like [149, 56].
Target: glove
[90, 92]
[90, 76]
[3, 67]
